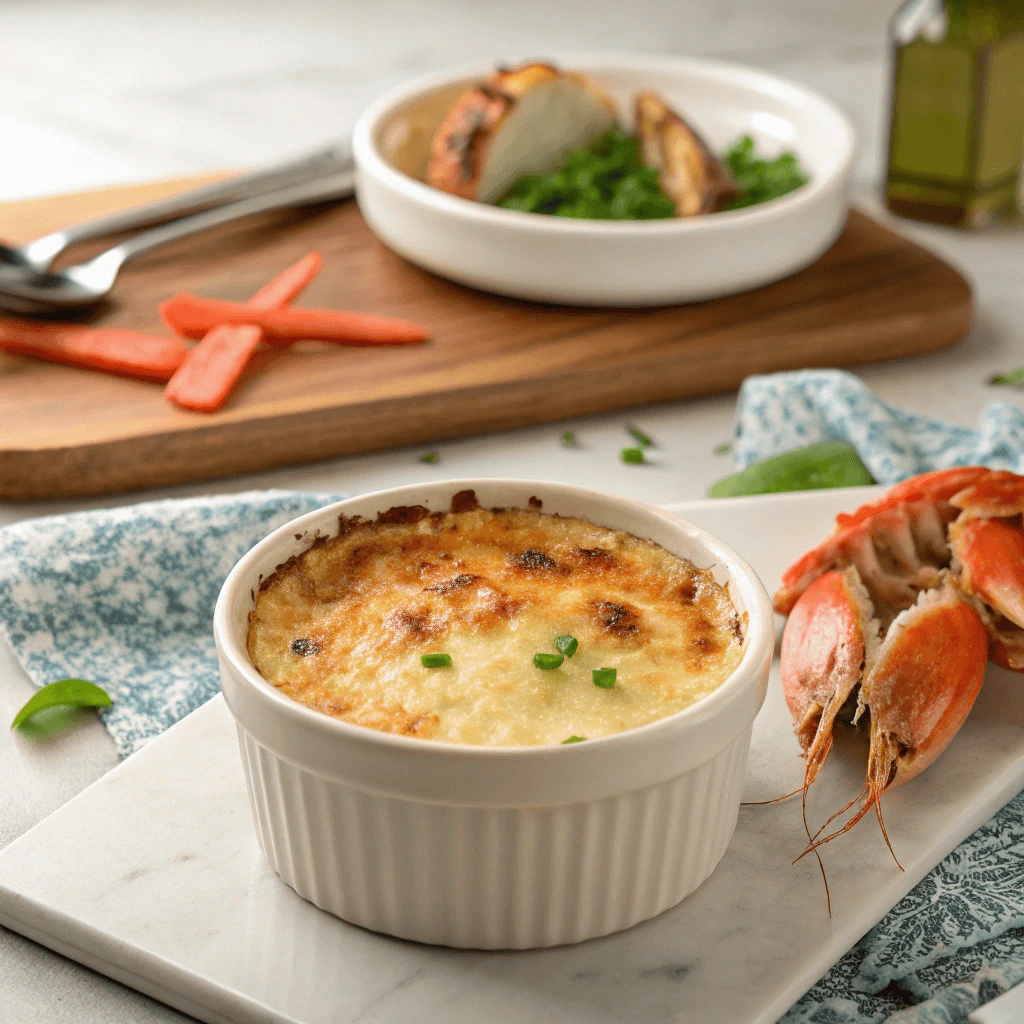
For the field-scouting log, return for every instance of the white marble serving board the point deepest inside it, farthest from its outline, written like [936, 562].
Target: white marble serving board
[153, 876]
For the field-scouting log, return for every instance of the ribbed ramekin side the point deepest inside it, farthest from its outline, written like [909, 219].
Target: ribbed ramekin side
[493, 878]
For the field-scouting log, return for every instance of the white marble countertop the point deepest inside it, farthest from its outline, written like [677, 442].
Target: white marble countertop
[123, 90]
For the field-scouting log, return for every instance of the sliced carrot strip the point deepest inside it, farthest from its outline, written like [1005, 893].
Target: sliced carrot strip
[286, 287]
[110, 349]
[211, 370]
[288, 284]
[193, 317]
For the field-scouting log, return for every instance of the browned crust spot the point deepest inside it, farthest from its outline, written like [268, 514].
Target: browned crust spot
[465, 501]
[535, 560]
[402, 515]
[619, 620]
[451, 585]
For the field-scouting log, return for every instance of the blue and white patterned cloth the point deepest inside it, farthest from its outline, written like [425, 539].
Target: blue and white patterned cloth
[125, 597]
[778, 412]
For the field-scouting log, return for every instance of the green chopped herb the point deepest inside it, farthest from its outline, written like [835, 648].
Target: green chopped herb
[1015, 377]
[574, 739]
[567, 644]
[641, 438]
[548, 661]
[436, 661]
[568, 439]
[606, 181]
[76, 693]
[605, 677]
[759, 179]
[724, 448]
[632, 455]
[831, 464]
[428, 457]
[609, 181]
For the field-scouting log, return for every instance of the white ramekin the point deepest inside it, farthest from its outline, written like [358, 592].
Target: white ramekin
[623, 263]
[483, 847]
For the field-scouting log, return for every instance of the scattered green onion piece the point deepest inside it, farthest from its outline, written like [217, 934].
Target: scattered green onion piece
[724, 448]
[436, 661]
[429, 457]
[567, 644]
[574, 739]
[818, 466]
[605, 677]
[76, 693]
[632, 455]
[548, 661]
[641, 438]
[568, 439]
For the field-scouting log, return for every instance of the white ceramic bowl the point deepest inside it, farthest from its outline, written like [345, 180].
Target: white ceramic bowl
[631, 263]
[485, 847]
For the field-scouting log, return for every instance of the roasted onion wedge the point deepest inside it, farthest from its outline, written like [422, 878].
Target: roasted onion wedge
[691, 175]
[518, 121]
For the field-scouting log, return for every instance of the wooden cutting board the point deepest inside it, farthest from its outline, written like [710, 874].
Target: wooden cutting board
[492, 363]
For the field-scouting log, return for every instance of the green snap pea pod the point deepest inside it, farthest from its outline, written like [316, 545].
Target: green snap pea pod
[75, 693]
[818, 466]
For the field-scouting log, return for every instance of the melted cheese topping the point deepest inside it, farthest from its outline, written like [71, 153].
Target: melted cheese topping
[342, 628]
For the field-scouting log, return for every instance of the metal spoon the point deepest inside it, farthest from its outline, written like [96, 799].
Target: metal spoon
[37, 257]
[88, 284]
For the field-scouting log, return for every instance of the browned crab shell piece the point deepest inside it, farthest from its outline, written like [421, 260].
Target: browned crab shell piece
[518, 121]
[690, 174]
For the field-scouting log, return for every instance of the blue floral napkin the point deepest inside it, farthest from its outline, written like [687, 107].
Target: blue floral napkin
[124, 598]
[781, 411]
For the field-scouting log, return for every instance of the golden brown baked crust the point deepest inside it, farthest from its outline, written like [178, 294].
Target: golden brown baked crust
[342, 627]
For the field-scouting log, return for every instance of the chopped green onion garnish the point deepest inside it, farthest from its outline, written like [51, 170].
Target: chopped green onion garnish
[633, 455]
[604, 677]
[641, 438]
[567, 644]
[436, 661]
[569, 439]
[574, 739]
[548, 661]
[724, 448]
[428, 457]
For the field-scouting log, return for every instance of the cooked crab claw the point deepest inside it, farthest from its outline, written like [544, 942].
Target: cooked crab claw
[917, 686]
[922, 586]
[826, 643]
[988, 559]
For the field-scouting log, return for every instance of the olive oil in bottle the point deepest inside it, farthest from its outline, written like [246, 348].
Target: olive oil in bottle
[956, 137]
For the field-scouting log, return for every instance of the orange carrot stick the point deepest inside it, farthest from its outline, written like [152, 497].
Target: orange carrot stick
[286, 287]
[210, 371]
[110, 349]
[288, 284]
[193, 317]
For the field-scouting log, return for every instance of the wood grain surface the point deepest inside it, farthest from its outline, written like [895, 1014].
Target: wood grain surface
[492, 363]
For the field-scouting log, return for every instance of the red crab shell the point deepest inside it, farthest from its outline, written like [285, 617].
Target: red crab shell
[896, 614]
